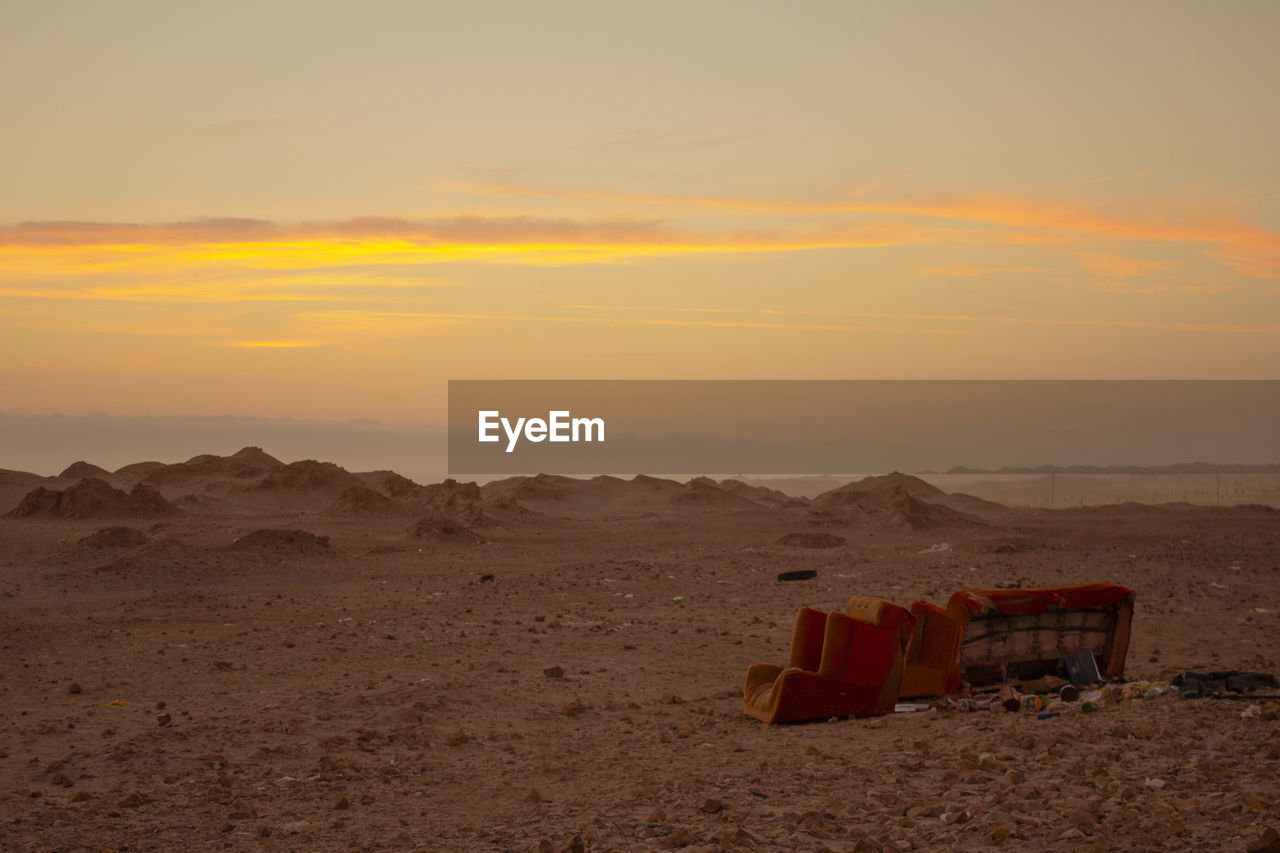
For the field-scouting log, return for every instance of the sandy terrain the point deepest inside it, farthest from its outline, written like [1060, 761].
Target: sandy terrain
[267, 657]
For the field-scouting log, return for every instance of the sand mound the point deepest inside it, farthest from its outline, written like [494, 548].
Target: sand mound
[703, 492]
[897, 509]
[249, 462]
[139, 469]
[361, 500]
[135, 473]
[459, 503]
[844, 500]
[542, 487]
[547, 487]
[967, 503]
[254, 456]
[449, 493]
[83, 470]
[93, 498]
[758, 494]
[307, 476]
[507, 504]
[908, 512]
[395, 486]
[444, 530]
[145, 500]
[114, 537]
[654, 484]
[292, 541]
[812, 540]
[204, 504]
[1009, 545]
[884, 486]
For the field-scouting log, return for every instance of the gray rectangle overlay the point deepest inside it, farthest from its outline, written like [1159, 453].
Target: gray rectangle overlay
[771, 427]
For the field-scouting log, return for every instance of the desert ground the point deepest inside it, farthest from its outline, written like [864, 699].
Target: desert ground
[235, 653]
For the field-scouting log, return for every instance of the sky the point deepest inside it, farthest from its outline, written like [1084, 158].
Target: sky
[325, 210]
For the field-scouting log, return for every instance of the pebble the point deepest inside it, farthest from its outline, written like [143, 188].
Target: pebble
[1268, 842]
[573, 845]
[133, 801]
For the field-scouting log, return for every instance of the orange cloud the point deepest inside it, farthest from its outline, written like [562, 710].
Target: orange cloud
[270, 344]
[1118, 266]
[971, 318]
[407, 322]
[1250, 250]
[36, 250]
[969, 271]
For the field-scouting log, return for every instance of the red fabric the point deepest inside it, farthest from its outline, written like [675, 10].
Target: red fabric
[1022, 602]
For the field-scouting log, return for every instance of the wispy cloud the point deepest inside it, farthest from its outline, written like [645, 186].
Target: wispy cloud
[970, 271]
[642, 138]
[269, 344]
[1223, 233]
[1119, 266]
[411, 322]
[972, 319]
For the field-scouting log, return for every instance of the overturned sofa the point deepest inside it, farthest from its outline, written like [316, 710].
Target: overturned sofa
[861, 661]
[842, 664]
[987, 636]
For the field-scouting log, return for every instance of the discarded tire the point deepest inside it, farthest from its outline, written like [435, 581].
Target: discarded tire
[798, 575]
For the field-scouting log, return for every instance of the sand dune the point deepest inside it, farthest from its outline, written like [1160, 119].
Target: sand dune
[361, 500]
[83, 470]
[245, 463]
[93, 498]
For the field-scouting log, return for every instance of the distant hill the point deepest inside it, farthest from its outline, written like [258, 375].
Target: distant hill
[1178, 468]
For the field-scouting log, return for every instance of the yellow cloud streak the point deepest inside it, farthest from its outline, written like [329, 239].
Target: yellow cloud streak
[382, 321]
[1250, 250]
[35, 250]
[270, 344]
[967, 318]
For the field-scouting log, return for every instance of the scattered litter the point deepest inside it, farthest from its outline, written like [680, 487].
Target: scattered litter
[1048, 715]
[679, 598]
[798, 575]
[934, 549]
[1082, 668]
[1193, 685]
[910, 707]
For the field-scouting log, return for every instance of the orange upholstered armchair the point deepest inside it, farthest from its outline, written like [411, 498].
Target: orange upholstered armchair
[932, 665]
[841, 665]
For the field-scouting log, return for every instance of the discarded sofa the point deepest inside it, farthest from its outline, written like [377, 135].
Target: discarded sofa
[841, 665]
[985, 636]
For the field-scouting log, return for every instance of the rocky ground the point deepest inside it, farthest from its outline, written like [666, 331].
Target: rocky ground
[274, 657]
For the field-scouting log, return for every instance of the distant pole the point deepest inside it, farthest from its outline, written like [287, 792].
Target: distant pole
[1217, 481]
[1053, 489]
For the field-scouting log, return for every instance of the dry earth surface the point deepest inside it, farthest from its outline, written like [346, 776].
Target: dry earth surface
[235, 653]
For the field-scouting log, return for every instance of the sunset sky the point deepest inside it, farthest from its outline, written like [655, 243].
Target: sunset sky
[327, 210]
